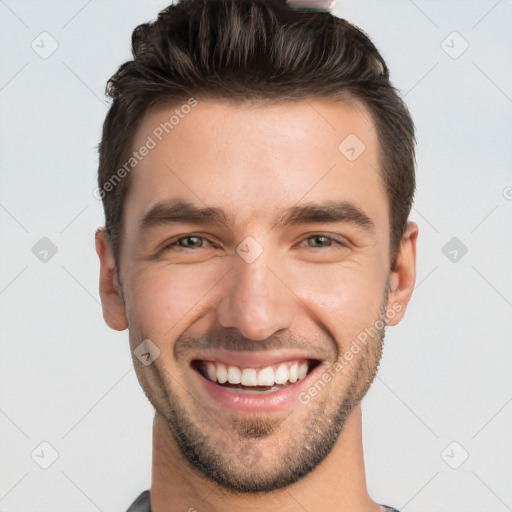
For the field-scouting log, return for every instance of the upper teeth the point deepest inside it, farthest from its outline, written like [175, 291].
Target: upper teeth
[267, 376]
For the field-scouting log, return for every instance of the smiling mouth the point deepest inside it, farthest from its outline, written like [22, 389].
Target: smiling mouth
[255, 380]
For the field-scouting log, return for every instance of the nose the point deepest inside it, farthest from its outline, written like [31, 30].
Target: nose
[257, 301]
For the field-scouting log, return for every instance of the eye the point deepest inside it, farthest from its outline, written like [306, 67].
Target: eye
[323, 241]
[187, 242]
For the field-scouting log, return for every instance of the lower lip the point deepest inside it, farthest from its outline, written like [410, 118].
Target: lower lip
[265, 402]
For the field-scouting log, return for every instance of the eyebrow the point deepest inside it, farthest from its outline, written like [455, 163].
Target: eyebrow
[185, 212]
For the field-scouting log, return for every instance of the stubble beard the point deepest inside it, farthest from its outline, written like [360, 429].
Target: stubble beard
[245, 468]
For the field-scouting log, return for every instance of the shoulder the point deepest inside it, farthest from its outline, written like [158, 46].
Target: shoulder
[141, 504]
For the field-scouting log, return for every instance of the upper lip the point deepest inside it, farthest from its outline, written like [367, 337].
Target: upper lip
[252, 359]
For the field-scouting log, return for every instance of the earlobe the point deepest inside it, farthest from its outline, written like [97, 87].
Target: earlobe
[112, 302]
[402, 277]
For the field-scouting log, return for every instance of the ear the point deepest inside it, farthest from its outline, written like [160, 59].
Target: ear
[112, 302]
[402, 277]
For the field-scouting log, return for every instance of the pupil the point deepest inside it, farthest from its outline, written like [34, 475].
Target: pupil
[187, 239]
[320, 237]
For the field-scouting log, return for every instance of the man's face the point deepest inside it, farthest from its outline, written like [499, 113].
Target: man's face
[269, 289]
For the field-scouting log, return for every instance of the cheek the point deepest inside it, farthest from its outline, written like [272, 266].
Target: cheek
[346, 298]
[162, 298]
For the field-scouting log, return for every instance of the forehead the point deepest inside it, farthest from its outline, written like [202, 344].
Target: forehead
[254, 160]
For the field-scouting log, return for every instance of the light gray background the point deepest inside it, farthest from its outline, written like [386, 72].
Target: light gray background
[67, 379]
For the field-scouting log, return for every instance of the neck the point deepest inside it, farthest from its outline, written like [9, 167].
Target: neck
[338, 484]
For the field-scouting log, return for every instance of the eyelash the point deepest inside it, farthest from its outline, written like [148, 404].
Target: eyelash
[175, 243]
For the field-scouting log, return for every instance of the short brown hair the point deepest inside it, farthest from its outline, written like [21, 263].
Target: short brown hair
[244, 50]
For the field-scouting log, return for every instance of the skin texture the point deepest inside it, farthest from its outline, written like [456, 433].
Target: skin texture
[302, 291]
